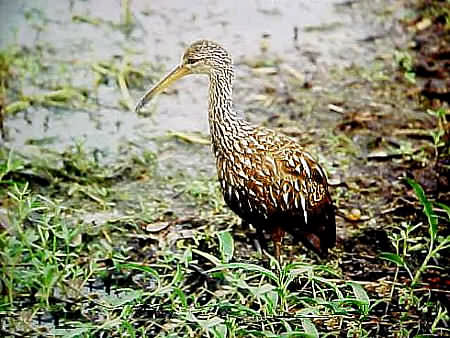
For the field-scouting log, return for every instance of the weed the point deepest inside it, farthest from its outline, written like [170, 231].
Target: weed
[405, 244]
[205, 190]
[405, 62]
[439, 134]
[9, 163]
[123, 73]
[98, 248]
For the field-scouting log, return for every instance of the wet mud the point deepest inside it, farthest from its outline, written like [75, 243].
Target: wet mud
[131, 205]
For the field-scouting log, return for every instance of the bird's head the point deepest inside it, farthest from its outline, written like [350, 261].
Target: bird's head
[201, 57]
[204, 57]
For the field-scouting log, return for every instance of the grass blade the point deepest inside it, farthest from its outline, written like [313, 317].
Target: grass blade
[247, 267]
[361, 296]
[428, 208]
[226, 245]
[208, 256]
[139, 267]
[392, 258]
[446, 208]
[310, 328]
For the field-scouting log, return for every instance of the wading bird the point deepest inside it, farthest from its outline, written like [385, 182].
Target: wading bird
[266, 178]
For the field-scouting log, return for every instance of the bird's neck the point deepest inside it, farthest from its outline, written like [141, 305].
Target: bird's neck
[220, 106]
[222, 117]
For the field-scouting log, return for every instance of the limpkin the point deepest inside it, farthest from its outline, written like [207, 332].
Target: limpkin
[266, 178]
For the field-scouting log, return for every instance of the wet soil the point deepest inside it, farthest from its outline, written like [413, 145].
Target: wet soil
[322, 72]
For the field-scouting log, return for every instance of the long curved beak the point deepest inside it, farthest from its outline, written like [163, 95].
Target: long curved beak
[177, 73]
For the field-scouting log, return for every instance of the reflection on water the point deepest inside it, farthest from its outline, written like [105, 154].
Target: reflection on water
[293, 31]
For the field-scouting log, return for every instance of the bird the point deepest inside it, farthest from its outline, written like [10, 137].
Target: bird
[266, 178]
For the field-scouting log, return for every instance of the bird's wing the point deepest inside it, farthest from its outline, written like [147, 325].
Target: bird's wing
[270, 178]
[299, 184]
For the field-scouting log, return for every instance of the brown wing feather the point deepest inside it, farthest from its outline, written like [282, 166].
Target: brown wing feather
[276, 184]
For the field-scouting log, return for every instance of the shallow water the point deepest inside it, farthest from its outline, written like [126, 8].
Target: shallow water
[328, 33]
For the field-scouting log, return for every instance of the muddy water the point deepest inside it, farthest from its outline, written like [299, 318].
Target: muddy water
[328, 32]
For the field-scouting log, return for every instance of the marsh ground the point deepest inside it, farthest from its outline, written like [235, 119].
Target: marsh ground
[113, 224]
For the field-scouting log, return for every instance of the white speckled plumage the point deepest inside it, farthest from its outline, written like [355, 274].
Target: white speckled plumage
[267, 178]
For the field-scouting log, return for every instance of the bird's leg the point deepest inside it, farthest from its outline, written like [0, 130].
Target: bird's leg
[277, 237]
[260, 240]
[245, 225]
[314, 242]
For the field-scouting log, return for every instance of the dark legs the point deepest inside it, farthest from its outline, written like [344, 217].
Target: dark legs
[277, 233]
[259, 240]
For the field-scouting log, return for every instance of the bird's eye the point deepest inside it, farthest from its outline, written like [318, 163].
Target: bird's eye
[191, 61]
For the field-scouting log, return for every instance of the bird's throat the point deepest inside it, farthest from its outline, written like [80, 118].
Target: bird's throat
[222, 117]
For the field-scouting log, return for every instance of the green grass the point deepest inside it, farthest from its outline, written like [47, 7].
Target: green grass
[128, 249]
[407, 241]
[86, 250]
[200, 285]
